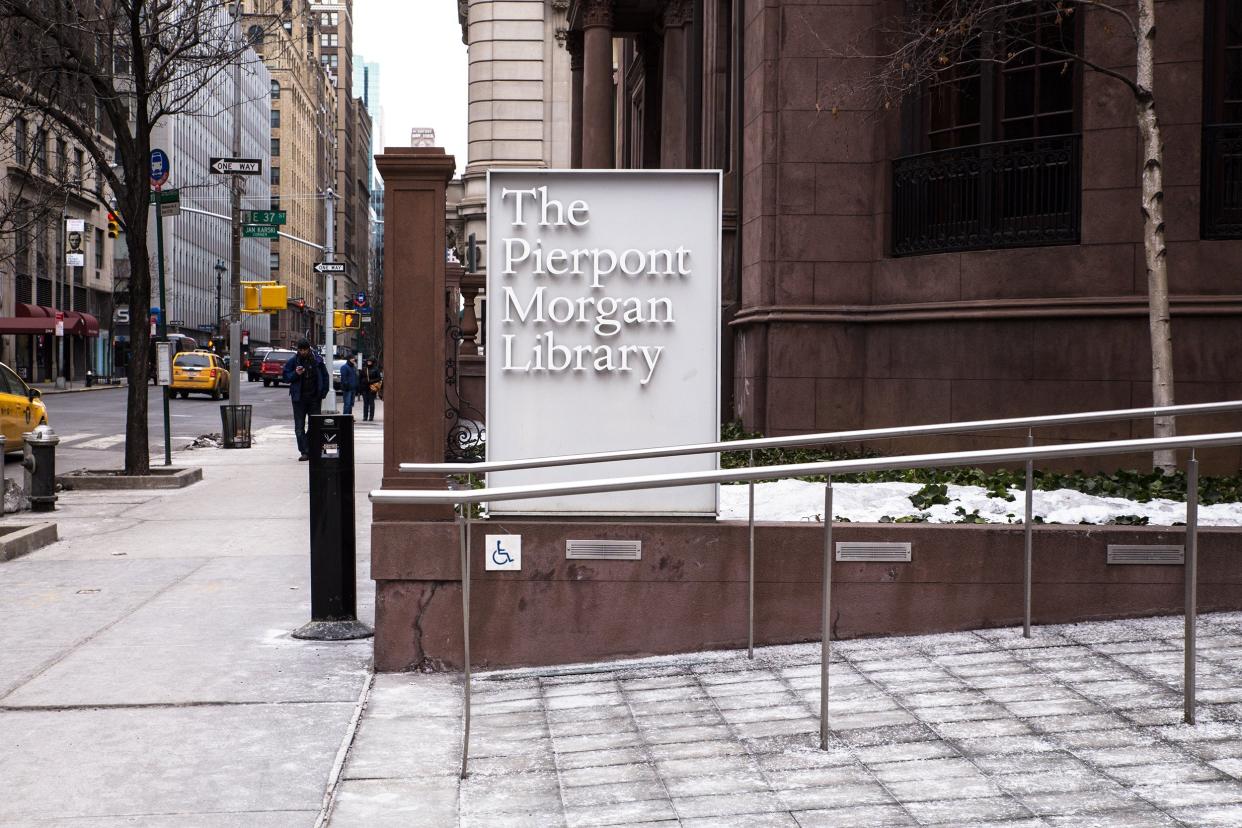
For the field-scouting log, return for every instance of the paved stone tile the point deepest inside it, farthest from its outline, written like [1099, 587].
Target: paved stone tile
[960, 787]
[674, 706]
[1165, 774]
[863, 816]
[1102, 739]
[1081, 778]
[597, 741]
[703, 766]
[525, 793]
[1006, 745]
[622, 813]
[695, 750]
[1186, 794]
[611, 794]
[1140, 755]
[887, 735]
[789, 779]
[904, 752]
[606, 775]
[538, 762]
[1079, 802]
[957, 811]
[804, 758]
[361, 803]
[600, 758]
[727, 805]
[834, 796]
[1054, 762]
[1232, 767]
[1129, 818]
[582, 714]
[743, 779]
[772, 820]
[778, 727]
[983, 729]
[924, 769]
[687, 719]
[1226, 816]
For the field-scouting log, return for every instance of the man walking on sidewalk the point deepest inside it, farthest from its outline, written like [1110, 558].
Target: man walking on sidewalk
[349, 383]
[308, 385]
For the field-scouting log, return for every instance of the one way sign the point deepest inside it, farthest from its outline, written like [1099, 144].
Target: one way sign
[237, 166]
[329, 267]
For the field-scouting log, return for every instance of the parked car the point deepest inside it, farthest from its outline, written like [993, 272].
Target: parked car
[274, 365]
[20, 409]
[201, 372]
[336, 374]
[253, 363]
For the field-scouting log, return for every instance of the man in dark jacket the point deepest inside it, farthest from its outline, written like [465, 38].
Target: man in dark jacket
[308, 385]
[349, 383]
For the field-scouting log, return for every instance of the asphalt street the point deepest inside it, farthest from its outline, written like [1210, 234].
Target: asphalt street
[91, 424]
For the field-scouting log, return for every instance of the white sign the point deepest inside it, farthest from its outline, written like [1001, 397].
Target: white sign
[503, 553]
[163, 363]
[75, 243]
[603, 330]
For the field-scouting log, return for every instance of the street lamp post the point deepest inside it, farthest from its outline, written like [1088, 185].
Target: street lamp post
[220, 268]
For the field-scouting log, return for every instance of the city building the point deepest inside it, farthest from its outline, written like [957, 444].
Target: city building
[353, 224]
[198, 247]
[303, 149]
[367, 88]
[519, 75]
[48, 181]
[976, 252]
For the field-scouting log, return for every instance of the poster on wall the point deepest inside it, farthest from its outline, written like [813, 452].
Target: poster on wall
[603, 330]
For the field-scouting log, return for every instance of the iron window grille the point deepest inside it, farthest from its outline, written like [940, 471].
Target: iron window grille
[1222, 181]
[1017, 193]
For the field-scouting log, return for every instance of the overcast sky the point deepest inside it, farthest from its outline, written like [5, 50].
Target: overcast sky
[423, 76]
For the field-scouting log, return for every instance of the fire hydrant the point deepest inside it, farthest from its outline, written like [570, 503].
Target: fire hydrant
[39, 461]
[90, 378]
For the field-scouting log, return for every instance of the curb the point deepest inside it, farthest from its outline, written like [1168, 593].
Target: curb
[111, 480]
[22, 539]
[45, 392]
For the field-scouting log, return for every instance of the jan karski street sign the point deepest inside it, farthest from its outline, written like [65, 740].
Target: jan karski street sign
[237, 166]
[329, 267]
[260, 231]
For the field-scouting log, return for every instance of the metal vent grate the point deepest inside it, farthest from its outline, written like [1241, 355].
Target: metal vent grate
[882, 552]
[604, 550]
[1122, 553]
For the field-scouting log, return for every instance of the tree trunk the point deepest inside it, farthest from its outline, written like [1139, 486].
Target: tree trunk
[1154, 250]
[137, 444]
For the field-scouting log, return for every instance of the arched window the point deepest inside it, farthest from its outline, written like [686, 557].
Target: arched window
[255, 35]
[275, 89]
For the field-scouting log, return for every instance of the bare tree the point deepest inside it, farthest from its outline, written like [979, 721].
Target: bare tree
[938, 38]
[105, 73]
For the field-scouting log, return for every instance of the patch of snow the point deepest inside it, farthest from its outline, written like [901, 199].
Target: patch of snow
[798, 500]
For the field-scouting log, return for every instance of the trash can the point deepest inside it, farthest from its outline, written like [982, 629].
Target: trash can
[235, 425]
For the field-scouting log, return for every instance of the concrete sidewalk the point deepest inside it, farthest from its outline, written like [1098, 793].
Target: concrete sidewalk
[1079, 727]
[148, 676]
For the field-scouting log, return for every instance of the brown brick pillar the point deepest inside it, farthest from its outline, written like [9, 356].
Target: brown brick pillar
[674, 101]
[414, 316]
[598, 151]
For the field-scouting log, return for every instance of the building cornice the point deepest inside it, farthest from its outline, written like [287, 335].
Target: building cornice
[985, 309]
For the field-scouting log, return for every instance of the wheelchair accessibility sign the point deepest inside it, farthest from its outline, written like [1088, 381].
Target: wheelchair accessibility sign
[503, 553]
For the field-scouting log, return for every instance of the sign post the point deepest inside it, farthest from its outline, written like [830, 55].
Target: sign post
[160, 168]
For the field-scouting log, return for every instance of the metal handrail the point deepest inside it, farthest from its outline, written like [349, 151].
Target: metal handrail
[463, 497]
[825, 467]
[825, 438]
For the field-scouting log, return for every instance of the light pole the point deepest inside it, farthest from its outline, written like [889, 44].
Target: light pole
[220, 268]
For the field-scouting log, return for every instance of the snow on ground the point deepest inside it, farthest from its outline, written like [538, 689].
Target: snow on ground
[794, 500]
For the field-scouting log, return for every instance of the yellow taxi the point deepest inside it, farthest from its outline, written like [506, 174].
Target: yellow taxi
[21, 410]
[201, 372]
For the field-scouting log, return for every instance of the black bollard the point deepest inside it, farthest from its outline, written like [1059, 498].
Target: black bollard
[334, 604]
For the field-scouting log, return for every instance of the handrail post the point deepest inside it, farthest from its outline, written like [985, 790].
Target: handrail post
[1028, 539]
[750, 578]
[465, 627]
[1191, 574]
[825, 632]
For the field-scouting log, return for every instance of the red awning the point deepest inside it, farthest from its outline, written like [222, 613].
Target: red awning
[37, 319]
[27, 325]
[80, 323]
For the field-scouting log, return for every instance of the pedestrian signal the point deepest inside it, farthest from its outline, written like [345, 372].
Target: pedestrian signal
[344, 320]
[114, 225]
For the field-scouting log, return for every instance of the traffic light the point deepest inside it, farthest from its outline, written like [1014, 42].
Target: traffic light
[114, 225]
[344, 320]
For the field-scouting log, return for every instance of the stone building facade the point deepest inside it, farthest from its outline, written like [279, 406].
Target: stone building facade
[878, 278]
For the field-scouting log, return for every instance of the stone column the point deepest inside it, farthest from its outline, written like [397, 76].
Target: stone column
[573, 42]
[598, 149]
[414, 318]
[674, 97]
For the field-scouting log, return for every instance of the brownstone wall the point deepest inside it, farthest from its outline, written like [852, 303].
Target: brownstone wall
[835, 333]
